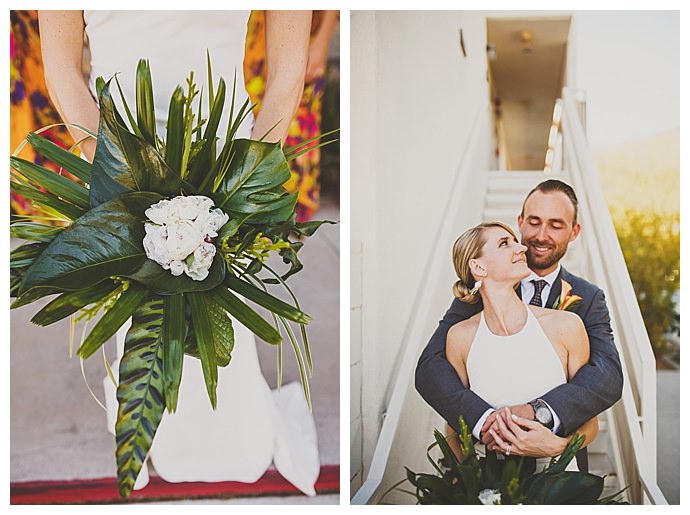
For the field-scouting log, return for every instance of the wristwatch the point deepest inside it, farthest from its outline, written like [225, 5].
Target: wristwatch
[542, 413]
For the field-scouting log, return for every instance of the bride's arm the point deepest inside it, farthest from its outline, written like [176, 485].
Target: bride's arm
[62, 44]
[287, 42]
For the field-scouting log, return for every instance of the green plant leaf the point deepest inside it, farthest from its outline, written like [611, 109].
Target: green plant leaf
[203, 161]
[162, 282]
[46, 201]
[61, 157]
[257, 168]
[106, 241]
[266, 300]
[32, 295]
[113, 319]
[140, 393]
[124, 162]
[58, 185]
[34, 231]
[246, 315]
[564, 488]
[174, 144]
[71, 302]
[146, 110]
[203, 332]
[174, 329]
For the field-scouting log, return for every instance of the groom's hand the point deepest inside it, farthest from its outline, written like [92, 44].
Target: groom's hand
[521, 410]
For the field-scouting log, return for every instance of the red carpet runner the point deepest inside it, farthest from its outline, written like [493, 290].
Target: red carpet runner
[104, 491]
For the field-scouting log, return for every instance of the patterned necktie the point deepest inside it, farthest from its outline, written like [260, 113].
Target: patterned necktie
[538, 288]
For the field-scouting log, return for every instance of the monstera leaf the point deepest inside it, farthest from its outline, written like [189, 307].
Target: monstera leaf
[255, 186]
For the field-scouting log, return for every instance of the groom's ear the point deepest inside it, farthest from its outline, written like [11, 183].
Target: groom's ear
[576, 232]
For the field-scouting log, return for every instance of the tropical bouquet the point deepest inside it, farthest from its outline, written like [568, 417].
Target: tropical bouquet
[513, 480]
[168, 232]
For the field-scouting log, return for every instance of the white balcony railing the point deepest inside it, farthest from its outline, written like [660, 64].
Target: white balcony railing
[632, 420]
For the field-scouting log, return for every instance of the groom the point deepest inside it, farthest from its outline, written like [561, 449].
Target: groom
[548, 223]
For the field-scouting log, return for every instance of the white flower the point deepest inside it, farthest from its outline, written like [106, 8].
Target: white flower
[179, 237]
[197, 264]
[489, 496]
[183, 239]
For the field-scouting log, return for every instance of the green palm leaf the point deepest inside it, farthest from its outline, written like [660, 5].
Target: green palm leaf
[174, 145]
[71, 302]
[174, 330]
[266, 300]
[203, 331]
[146, 110]
[246, 315]
[34, 231]
[113, 319]
[203, 161]
[140, 393]
[46, 201]
[60, 156]
[58, 185]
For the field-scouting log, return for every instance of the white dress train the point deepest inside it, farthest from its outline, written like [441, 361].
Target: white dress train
[251, 427]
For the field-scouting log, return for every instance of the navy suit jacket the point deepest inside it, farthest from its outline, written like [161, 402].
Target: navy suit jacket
[595, 387]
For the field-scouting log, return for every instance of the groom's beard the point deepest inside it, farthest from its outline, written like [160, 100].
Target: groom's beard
[538, 260]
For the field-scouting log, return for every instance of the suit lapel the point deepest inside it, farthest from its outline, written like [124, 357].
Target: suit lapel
[556, 288]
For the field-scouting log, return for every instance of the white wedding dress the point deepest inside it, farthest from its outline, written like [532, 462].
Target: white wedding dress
[515, 369]
[252, 426]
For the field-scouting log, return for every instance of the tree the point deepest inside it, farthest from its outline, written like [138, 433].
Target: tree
[650, 241]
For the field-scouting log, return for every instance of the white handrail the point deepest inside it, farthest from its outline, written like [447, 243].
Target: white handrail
[629, 330]
[465, 181]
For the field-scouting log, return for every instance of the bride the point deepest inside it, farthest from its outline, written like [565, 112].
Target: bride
[510, 353]
[251, 427]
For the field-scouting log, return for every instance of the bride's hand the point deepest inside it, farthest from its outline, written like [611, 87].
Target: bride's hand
[523, 437]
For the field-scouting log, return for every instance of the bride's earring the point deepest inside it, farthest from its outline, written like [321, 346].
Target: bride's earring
[477, 285]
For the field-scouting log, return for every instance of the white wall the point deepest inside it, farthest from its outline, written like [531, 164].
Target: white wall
[414, 99]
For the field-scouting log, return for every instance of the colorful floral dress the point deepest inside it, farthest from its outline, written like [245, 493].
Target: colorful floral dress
[30, 106]
[305, 125]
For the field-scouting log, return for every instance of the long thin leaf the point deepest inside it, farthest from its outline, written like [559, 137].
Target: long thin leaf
[71, 302]
[47, 201]
[174, 146]
[146, 109]
[246, 315]
[34, 231]
[58, 185]
[113, 319]
[266, 300]
[301, 144]
[132, 122]
[204, 160]
[205, 345]
[60, 156]
[173, 347]
[300, 361]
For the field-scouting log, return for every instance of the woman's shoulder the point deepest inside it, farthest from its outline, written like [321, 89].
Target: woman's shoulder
[556, 322]
[463, 332]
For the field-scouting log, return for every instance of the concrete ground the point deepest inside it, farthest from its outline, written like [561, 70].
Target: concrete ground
[668, 434]
[58, 431]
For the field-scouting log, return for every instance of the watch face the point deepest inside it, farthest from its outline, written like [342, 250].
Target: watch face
[543, 415]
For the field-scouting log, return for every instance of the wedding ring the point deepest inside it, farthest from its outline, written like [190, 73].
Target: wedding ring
[510, 446]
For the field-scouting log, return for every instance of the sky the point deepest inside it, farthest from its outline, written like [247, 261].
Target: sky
[629, 64]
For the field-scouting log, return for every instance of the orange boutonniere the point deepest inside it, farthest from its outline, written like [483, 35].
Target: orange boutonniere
[566, 301]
